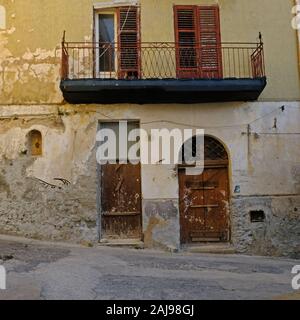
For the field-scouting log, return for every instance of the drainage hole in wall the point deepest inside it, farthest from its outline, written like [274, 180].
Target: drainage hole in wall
[257, 216]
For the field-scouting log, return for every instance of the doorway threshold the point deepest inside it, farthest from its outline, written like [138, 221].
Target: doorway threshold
[130, 243]
[215, 248]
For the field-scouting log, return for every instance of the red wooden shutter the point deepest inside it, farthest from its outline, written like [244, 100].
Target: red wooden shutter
[128, 43]
[186, 41]
[210, 42]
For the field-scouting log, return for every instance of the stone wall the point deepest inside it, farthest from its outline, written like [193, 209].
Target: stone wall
[277, 235]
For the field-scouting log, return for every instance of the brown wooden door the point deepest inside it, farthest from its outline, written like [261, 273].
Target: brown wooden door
[204, 206]
[121, 201]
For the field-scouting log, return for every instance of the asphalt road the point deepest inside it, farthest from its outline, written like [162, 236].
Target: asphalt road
[48, 271]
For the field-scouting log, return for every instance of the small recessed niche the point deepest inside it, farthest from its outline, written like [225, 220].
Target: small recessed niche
[257, 216]
[35, 143]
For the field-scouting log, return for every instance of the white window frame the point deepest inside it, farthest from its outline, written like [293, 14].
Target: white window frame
[105, 74]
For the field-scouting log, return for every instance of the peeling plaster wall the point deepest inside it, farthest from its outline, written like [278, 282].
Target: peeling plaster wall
[265, 172]
[161, 224]
[33, 203]
[33, 209]
[30, 55]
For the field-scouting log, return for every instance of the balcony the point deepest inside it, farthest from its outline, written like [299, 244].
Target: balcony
[161, 72]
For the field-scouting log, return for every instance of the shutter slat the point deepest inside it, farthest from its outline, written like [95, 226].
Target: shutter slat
[129, 42]
[186, 39]
[210, 42]
[198, 38]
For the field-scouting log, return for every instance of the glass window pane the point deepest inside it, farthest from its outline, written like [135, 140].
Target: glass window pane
[106, 42]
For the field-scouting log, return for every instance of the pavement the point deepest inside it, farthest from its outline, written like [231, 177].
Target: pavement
[51, 271]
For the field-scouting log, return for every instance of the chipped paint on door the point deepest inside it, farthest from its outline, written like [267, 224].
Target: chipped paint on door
[204, 199]
[121, 201]
[121, 207]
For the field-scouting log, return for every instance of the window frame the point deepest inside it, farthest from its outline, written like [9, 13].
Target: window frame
[198, 71]
[118, 73]
[98, 12]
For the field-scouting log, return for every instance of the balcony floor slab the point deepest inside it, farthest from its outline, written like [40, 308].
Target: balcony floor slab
[151, 91]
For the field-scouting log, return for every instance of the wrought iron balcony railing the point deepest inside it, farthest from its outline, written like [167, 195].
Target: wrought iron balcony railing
[162, 60]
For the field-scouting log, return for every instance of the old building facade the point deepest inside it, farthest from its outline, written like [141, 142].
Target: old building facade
[171, 64]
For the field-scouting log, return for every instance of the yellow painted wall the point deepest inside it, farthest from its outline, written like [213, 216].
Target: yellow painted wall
[29, 55]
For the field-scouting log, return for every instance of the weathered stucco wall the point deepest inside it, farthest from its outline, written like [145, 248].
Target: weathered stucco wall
[264, 172]
[33, 202]
[30, 56]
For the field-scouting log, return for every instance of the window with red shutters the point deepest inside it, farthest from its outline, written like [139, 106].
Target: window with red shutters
[198, 39]
[186, 41]
[128, 42]
[210, 42]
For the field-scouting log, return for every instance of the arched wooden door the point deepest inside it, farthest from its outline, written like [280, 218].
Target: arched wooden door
[204, 199]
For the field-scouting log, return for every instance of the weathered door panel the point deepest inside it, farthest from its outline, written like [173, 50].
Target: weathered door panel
[191, 205]
[216, 199]
[121, 201]
[204, 206]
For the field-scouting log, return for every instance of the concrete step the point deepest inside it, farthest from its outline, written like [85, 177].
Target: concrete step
[211, 249]
[131, 243]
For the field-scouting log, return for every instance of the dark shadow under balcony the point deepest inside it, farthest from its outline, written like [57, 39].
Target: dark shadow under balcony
[162, 72]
